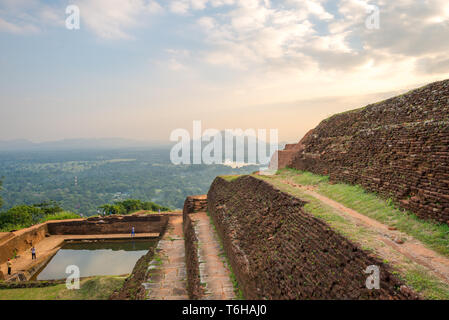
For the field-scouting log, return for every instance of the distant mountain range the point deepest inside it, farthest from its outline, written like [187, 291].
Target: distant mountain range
[77, 144]
[98, 144]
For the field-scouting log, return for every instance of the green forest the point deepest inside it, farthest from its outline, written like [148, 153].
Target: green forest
[24, 216]
[83, 181]
[129, 206]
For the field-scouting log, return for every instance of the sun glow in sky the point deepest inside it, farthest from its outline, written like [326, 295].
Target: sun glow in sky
[142, 68]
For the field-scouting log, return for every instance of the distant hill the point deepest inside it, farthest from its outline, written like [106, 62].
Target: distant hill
[82, 144]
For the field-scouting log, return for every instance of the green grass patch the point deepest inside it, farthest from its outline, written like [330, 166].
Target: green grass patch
[94, 288]
[428, 286]
[433, 235]
[355, 197]
[230, 177]
[326, 213]
[61, 216]
[64, 215]
[304, 177]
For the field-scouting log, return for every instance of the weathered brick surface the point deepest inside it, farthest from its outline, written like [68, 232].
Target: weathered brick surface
[214, 274]
[278, 251]
[207, 275]
[133, 289]
[194, 288]
[151, 223]
[195, 204]
[166, 276]
[283, 158]
[22, 240]
[398, 148]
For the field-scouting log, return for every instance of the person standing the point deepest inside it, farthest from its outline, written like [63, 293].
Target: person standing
[33, 253]
[132, 232]
[9, 264]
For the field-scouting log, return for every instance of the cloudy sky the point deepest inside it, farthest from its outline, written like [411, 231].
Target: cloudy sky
[141, 68]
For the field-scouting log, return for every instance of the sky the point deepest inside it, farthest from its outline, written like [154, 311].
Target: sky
[140, 69]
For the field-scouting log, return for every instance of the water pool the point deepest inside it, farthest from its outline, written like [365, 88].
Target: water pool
[95, 258]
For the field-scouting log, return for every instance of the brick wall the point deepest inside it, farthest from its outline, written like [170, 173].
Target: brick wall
[21, 240]
[277, 251]
[398, 148]
[283, 158]
[152, 223]
[193, 204]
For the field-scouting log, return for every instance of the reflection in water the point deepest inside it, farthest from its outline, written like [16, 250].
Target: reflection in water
[96, 258]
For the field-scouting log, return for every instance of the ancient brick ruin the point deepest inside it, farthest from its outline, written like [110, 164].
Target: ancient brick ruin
[110, 225]
[195, 204]
[278, 251]
[398, 148]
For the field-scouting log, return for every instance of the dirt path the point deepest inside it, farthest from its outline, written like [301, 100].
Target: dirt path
[167, 275]
[399, 241]
[213, 271]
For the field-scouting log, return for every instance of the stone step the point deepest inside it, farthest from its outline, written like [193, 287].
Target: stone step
[213, 269]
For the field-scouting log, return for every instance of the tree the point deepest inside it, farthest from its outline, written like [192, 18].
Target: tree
[50, 207]
[20, 217]
[109, 209]
[131, 205]
[23, 216]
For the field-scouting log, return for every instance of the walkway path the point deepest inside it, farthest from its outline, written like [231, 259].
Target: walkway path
[214, 273]
[167, 275]
[411, 248]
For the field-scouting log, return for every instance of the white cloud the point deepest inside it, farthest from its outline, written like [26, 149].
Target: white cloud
[199, 4]
[433, 65]
[184, 7]
[18, 28]
[112, 19]
[179, 7]
[175, 60]
[27, 17]
[263, 35]
[311, 7]
[257, 35]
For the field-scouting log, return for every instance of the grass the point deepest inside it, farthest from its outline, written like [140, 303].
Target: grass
[93, 288]
[60, 216]
[10, 227]
[309, 179]
[435, 236]
[429, 287]
[345, 112]
[230, 177]
[57, 216]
